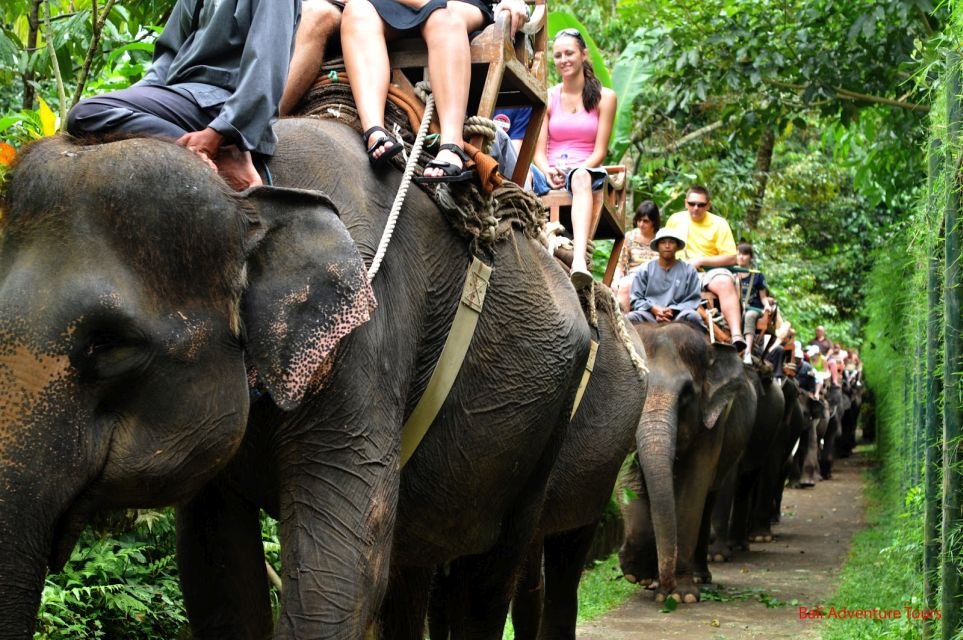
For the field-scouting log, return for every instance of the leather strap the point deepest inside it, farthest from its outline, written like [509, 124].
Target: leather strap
[586, 375]
[450, 361]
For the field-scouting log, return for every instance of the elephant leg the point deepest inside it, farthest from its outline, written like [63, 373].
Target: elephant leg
[692, 492]
[529, 592]
[810, 459]
[406, 603]
[720, 550]
[220, 558]
[565, 555]
[700, 562]
[760, 518]
[826, 453]
[638, 555]
[742, 501]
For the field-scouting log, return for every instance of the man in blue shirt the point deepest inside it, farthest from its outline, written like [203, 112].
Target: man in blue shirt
[214, 86]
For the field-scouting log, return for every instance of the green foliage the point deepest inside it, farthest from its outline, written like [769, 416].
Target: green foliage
[884, 566]
[117, 59]
[117, 585]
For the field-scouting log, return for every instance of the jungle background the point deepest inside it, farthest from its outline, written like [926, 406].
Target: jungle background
[828, 133]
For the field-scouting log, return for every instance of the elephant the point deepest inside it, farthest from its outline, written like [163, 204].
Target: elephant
[698, 412]
[743, 502]
[602, 432]
[315, 392]
[852, 389]
[805, 461]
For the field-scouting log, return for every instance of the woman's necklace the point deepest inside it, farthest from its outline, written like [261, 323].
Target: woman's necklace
[570, 102]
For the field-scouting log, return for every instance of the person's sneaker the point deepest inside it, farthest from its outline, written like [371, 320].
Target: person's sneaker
[739, 343]
[747, 357]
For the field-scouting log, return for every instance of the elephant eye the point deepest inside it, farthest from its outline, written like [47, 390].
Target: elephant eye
[107, 355]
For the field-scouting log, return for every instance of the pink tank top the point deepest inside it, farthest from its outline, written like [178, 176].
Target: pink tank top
[571, 133]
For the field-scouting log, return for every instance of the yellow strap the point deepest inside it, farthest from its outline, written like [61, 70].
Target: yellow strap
[589, 365]
[449, 363]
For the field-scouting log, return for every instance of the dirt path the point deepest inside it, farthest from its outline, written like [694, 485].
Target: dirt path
[802, 564]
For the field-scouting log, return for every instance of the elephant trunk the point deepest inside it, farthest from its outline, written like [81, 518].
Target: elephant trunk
[656, 449]
[23, 565]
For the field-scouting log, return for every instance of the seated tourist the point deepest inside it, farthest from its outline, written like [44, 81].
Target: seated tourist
[574, 141]
[320, 19]
[667, 289]
[444, 24]
[213, 86]
[754, 294]
[636, 252]
[711, 249]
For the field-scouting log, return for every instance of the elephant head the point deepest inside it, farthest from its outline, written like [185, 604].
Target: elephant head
[137, 296]
[691, 390]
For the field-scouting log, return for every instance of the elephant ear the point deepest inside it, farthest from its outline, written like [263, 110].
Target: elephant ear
[308, 288]
[724, 379]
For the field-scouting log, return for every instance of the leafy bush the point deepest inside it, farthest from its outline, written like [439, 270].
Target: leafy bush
[117, 585]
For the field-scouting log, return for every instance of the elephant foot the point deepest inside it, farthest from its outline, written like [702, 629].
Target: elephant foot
[762, 535]
[686, 591]
[740, 545]
[806, 484]
[702, 576]
[645, 583]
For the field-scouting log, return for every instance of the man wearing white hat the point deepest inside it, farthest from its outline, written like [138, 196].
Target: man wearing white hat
[667, 289]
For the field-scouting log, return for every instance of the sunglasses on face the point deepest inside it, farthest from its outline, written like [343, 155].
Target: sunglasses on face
[572, 33]
[697, 204]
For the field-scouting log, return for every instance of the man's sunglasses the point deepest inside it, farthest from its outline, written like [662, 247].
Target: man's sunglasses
[572, 33]
[698, 204]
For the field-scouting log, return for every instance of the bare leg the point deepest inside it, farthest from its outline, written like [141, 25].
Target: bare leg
[366, 56]
[449, 64]
[623, 293]
[582, 217]
[728, 303]
[319, 19]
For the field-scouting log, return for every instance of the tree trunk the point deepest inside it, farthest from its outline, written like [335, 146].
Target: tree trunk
[33, 20]
[763, 162]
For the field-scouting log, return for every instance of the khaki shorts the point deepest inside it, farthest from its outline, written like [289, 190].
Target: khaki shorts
[712, 274]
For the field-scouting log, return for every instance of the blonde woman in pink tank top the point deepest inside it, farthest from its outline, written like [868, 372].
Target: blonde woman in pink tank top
[575, 138]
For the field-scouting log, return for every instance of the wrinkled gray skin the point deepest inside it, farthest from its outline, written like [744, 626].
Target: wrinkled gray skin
[325, 463]
[698, 412]
[602, 431]
[606, 427]
[748, 486]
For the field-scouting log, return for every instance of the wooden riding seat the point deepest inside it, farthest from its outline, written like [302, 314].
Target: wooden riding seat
[609, 205]
[505, 73]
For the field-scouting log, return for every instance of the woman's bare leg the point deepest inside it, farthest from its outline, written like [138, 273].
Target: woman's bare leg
[581, 217]
[449, 65]
[366, 56]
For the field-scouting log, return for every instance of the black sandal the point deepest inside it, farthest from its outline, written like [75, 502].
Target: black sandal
[453, 173]
[389, 153]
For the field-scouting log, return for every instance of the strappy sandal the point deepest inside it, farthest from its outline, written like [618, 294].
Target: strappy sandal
[389, 153]
[452, 172]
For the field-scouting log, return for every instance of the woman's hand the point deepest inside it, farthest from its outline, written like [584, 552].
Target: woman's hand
[556, 178]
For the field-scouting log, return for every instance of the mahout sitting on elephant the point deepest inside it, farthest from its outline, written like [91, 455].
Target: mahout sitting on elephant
[699, 410]
[128, 338]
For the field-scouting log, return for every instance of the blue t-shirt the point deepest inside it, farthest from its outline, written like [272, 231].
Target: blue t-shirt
[517, 120]
[751, 285]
